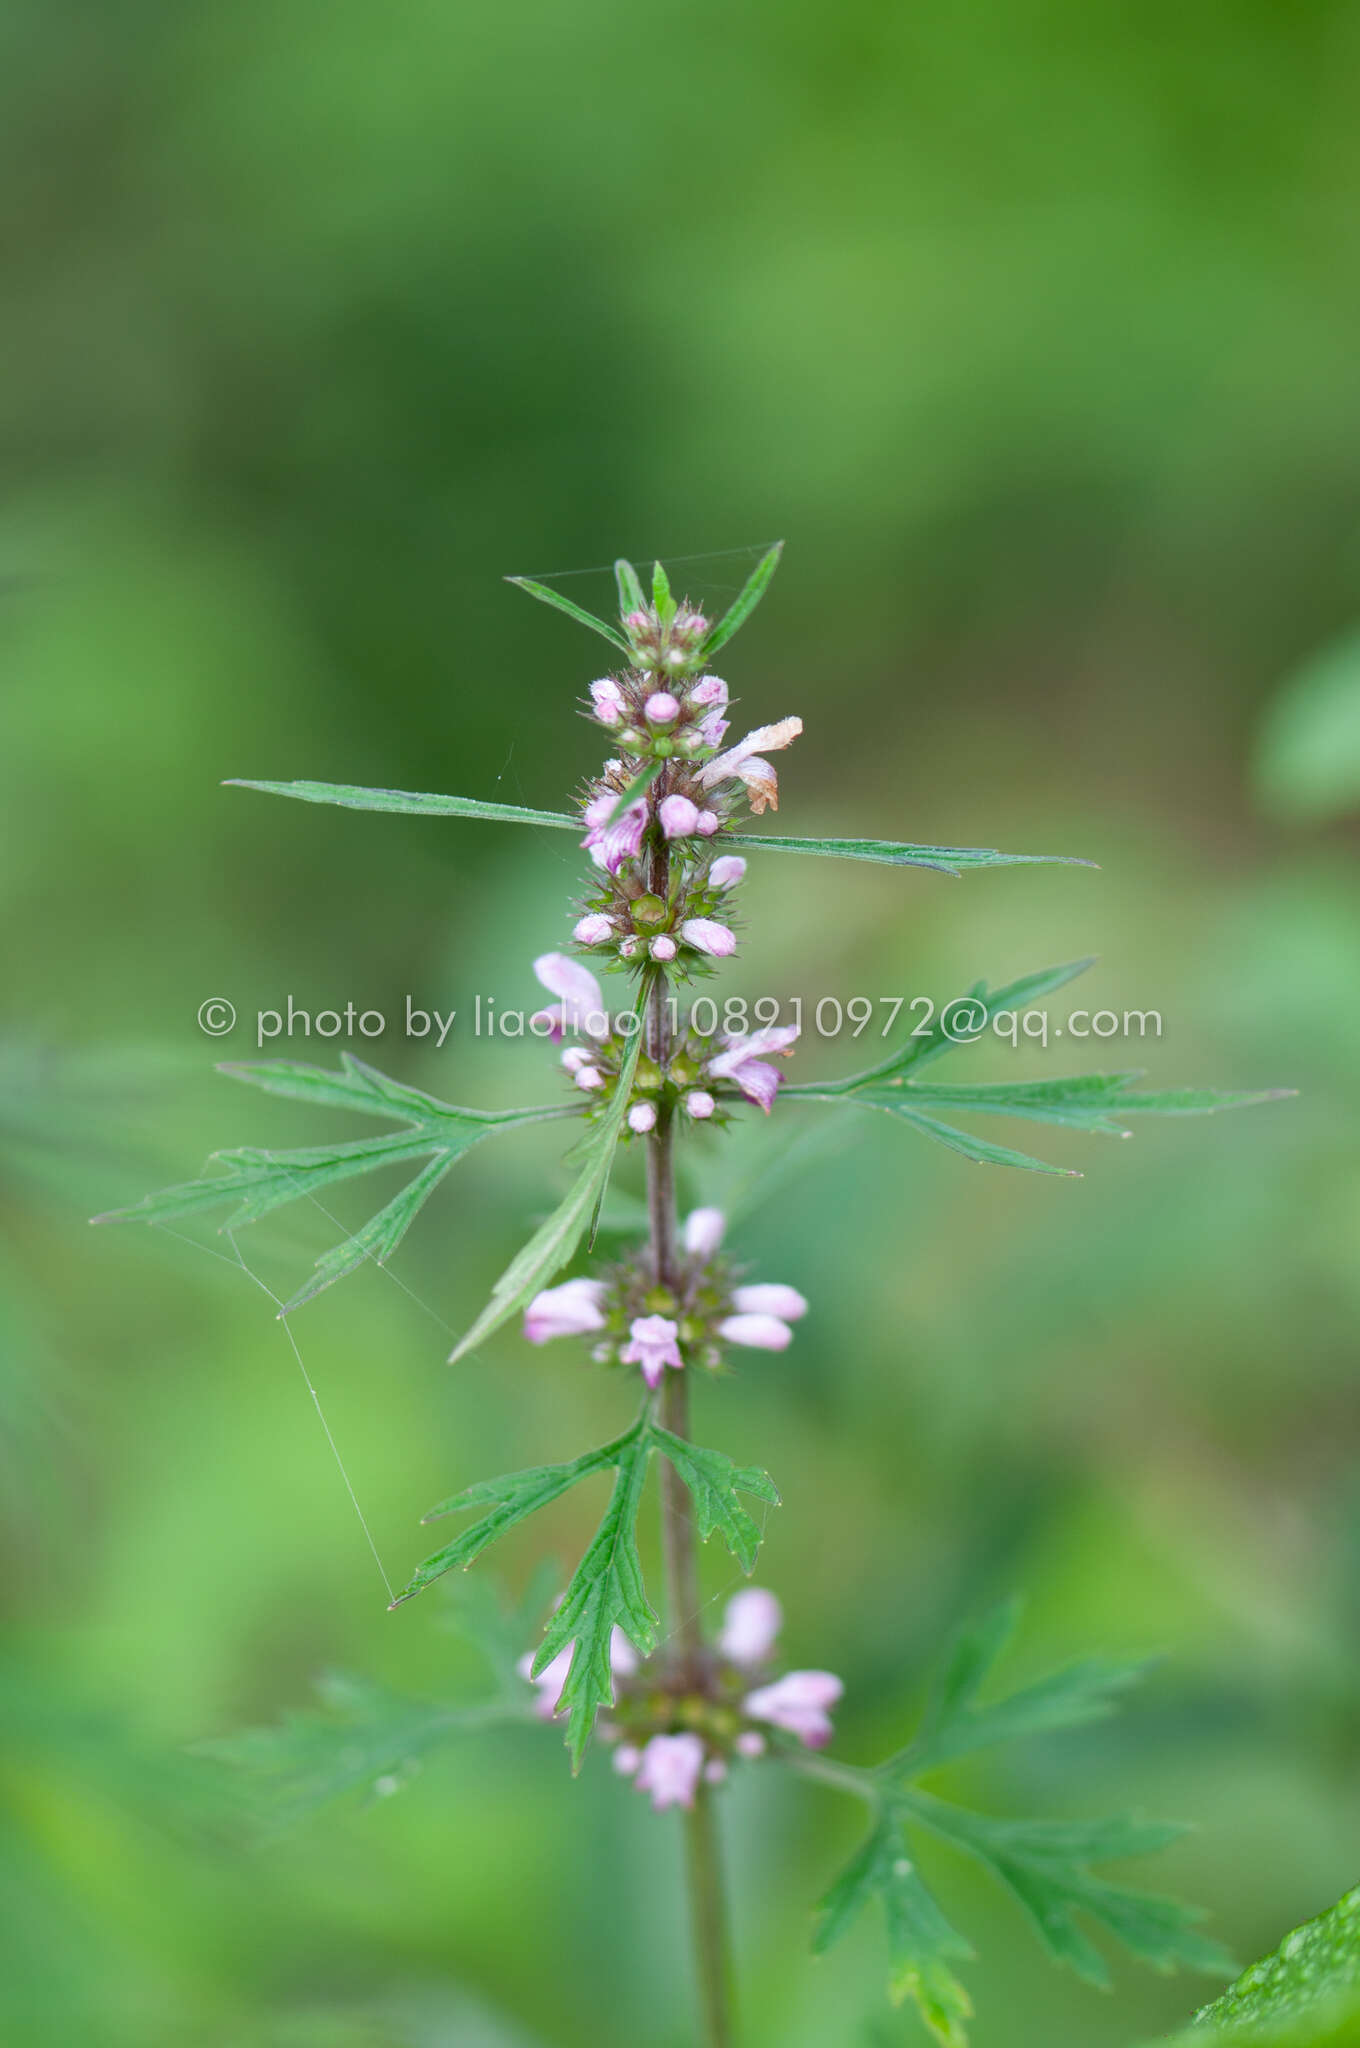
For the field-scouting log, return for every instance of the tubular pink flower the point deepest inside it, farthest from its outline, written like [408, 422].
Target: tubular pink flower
[707, 824]
[642, 1117]
[582, 999]
[704, 1232]
[699, 1104]
[608, 701]
[652, 1346]
[570, 1310]
[741, 1061]
[713, 729]
[661, 708]
[595, 928]
[726, 871]
[670, 1770]
[706, 936]
[751, 1623]
[610, 845]
[757, 1332]
[678, 816]
[710, 691]
[770, 1298]
[743, 763]
[800, 1703]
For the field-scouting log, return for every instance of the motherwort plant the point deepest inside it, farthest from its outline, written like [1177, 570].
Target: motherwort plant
[662, 825]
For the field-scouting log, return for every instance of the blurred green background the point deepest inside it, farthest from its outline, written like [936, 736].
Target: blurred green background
[1032, 327]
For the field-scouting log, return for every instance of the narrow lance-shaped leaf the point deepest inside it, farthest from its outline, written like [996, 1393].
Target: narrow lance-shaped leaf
[981, 1151]
[947, 860]
[921, 1943]
[631, 598]
[413, 802]
[745, 602]
[555, 1241]
[511, 1498]
[662, 600]
[606, 1592]
[1083, 1102]
[573, 611]
[714, 1483]
[256, 1181]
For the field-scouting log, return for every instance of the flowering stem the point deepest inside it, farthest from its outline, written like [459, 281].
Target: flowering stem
[679, 1545]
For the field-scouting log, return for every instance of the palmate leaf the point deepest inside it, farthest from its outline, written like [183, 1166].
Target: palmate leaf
[745, 602]
[606, 1590]
[256, 1182]
[1045, 1864]
[921, 1943]
[550, 1247]
[573, 611]
[413, 802]
[946, 860]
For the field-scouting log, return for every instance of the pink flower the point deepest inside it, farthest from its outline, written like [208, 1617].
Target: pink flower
[799, 1703]
[652, 1346]
[699, 1104]
[704, 1232]
[611, 844]
[566, 1311]
[663, 948]
[726, 871]
[608, 700]
[662, 708]
[710, 690]
[713, 729]
[589, 1078]
[741, 1061]
[760, 1333]
[594, 929]
[642, 1117]
[707, 937]
[706, 824]
[582, 1000]
[678, 816]
[670, 1770]
[751, 1623]
[715, 1771]
[749, 1744]
[743, 763]
[770, 1298]
[626, 1759]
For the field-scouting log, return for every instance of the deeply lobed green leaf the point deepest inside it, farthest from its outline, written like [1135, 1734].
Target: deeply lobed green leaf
[922, 1944]
[714, 1483]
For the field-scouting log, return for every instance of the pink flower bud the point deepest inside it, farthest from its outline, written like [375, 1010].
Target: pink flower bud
[670, 1770]
[570, 1310]
[770, 1298]
[663, 948]
[662, 708]
[706, 824]
[608, 700]
[595, 928]
[710, 691]
[715, 1771]
[589, 1078]
[758, 1332]
[708, 937]
[642, 1117]
[751, 1623]
[678, 816]
[750, 1745]
[725, 873]
[704, 1232]
[637, 622]
[574, 1058]
[628, 946]
[800, 1703]
[699, 1104]
[626, 1759]
[652, 1346]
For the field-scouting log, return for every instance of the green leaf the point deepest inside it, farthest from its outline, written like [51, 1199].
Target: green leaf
[256, 1182]
[631, 598]
[1045, 1865]
[556, 1240]
[745, 602]
[1308, 756]
[411, 801]
[980, 1150]
[511, 1498]
[573, 611]
[643, 780]
[1082, 1102]
[1313, 1972]
[921, 1942]
[606, 1592]
[714, 1483]
[953, 1725]
[948, 860]
[662, 601]
[364, 1737]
